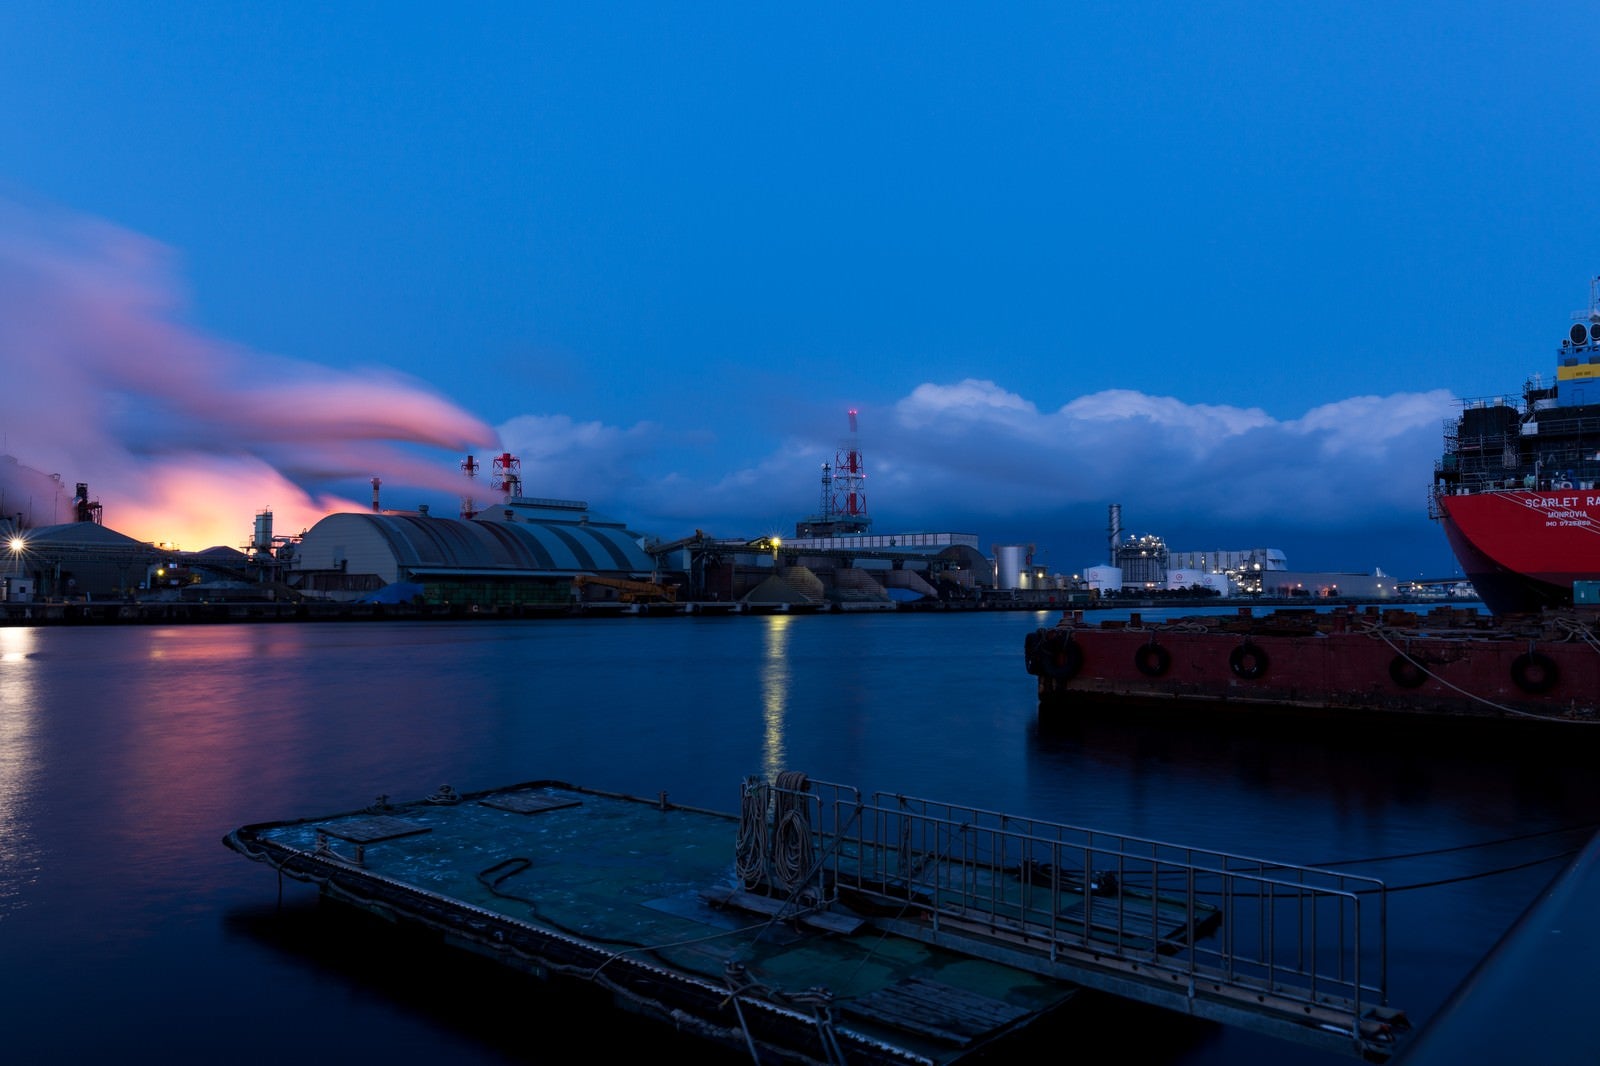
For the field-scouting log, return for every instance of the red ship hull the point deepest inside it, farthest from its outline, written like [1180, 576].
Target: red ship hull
[1522, 550]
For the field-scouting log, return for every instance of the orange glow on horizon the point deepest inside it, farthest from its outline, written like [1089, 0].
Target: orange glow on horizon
[199, 506]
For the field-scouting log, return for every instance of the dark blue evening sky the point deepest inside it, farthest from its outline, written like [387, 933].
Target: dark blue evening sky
[1227, 264]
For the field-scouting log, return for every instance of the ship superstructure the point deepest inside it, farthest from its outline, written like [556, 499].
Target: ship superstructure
[1516, 485]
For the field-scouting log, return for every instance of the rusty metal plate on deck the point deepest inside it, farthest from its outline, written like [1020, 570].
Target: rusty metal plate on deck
[378, 827]
[530, 803]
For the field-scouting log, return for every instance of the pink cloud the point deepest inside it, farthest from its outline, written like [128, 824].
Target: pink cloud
[183, 436]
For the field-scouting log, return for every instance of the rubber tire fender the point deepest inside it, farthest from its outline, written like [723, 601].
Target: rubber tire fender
[1534, 672]
[1406, 671]
[1152, 660]
[1030, 650]
[1248, 661]
[1060, 656]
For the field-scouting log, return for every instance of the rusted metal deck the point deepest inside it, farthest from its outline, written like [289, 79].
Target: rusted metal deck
[1539, 675]
[818, 925]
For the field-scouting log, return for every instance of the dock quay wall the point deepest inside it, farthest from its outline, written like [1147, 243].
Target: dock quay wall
[49, 614]
[178, 613]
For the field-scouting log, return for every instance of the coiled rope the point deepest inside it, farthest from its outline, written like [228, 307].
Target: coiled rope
[793, 852]
[750, 849]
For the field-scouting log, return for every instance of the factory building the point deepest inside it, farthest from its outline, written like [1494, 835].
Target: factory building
[1138, 563]
[523, 552]
[73, 561]
[76, 560]
[848, 572]
[833, 562]
[1317, 584]
[1145, 564]
[1249, 570]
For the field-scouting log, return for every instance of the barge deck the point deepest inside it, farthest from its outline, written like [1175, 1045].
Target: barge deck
[1540, 674]
[821, 926]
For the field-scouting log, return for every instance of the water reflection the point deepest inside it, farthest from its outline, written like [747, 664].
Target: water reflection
[19, 701]
[774, 694]
[126, 752]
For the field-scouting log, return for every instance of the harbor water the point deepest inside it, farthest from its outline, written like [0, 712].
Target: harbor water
[127, 930]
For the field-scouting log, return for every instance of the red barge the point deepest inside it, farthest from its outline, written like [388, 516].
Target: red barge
[1305, 665]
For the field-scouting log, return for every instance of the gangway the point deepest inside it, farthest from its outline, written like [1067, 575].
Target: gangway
[1293, 951]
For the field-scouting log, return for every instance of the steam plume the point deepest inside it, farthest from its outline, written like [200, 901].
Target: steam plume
[182, 436]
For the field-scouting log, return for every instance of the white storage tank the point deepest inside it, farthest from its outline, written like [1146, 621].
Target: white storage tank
[1182, 579]
[1008, 563]
[1177, 580]
[1104, 578]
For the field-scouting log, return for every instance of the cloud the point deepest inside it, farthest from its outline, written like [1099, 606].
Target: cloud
[560, 456]
[949, 456]
[182, 436]
[1339, 464]
[968, 403]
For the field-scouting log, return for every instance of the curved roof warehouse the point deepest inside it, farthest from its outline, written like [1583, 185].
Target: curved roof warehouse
[525, 551]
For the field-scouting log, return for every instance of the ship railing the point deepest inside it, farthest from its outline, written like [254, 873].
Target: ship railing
[1579, 476]
[1276, 935]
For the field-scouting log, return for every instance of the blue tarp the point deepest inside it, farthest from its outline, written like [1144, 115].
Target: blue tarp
[399, 592]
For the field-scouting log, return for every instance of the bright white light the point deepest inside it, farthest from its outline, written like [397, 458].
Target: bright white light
[18, 544]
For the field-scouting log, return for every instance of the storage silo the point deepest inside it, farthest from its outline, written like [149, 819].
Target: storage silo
[1008, 563]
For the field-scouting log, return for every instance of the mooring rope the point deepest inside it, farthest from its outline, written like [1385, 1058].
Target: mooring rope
[750, 849]
[1572, 629]
[820, 1000]
[738, 980]
[1382, 633]
[793, 855]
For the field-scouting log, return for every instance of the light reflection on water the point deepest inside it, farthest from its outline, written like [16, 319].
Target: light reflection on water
[128, 752]
[19, 856]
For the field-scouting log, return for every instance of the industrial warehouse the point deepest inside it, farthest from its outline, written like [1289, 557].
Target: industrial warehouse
[525, 555]
[521, 555]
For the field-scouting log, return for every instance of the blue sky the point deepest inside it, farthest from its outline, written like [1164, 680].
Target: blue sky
[1225, 264]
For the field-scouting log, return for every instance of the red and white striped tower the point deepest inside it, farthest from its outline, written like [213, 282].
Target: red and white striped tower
[850, 485]
[507, 470]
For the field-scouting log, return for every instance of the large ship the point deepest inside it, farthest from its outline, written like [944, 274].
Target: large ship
[1516, 487]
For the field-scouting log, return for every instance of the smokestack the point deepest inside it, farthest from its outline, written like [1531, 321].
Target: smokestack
[375, 483]
[83, 508]
[1115, 531]
[262, 541]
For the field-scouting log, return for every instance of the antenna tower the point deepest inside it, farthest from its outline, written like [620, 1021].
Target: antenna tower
[826, 513]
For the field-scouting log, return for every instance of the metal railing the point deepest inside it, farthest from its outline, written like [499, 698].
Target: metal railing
[1302, 943]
